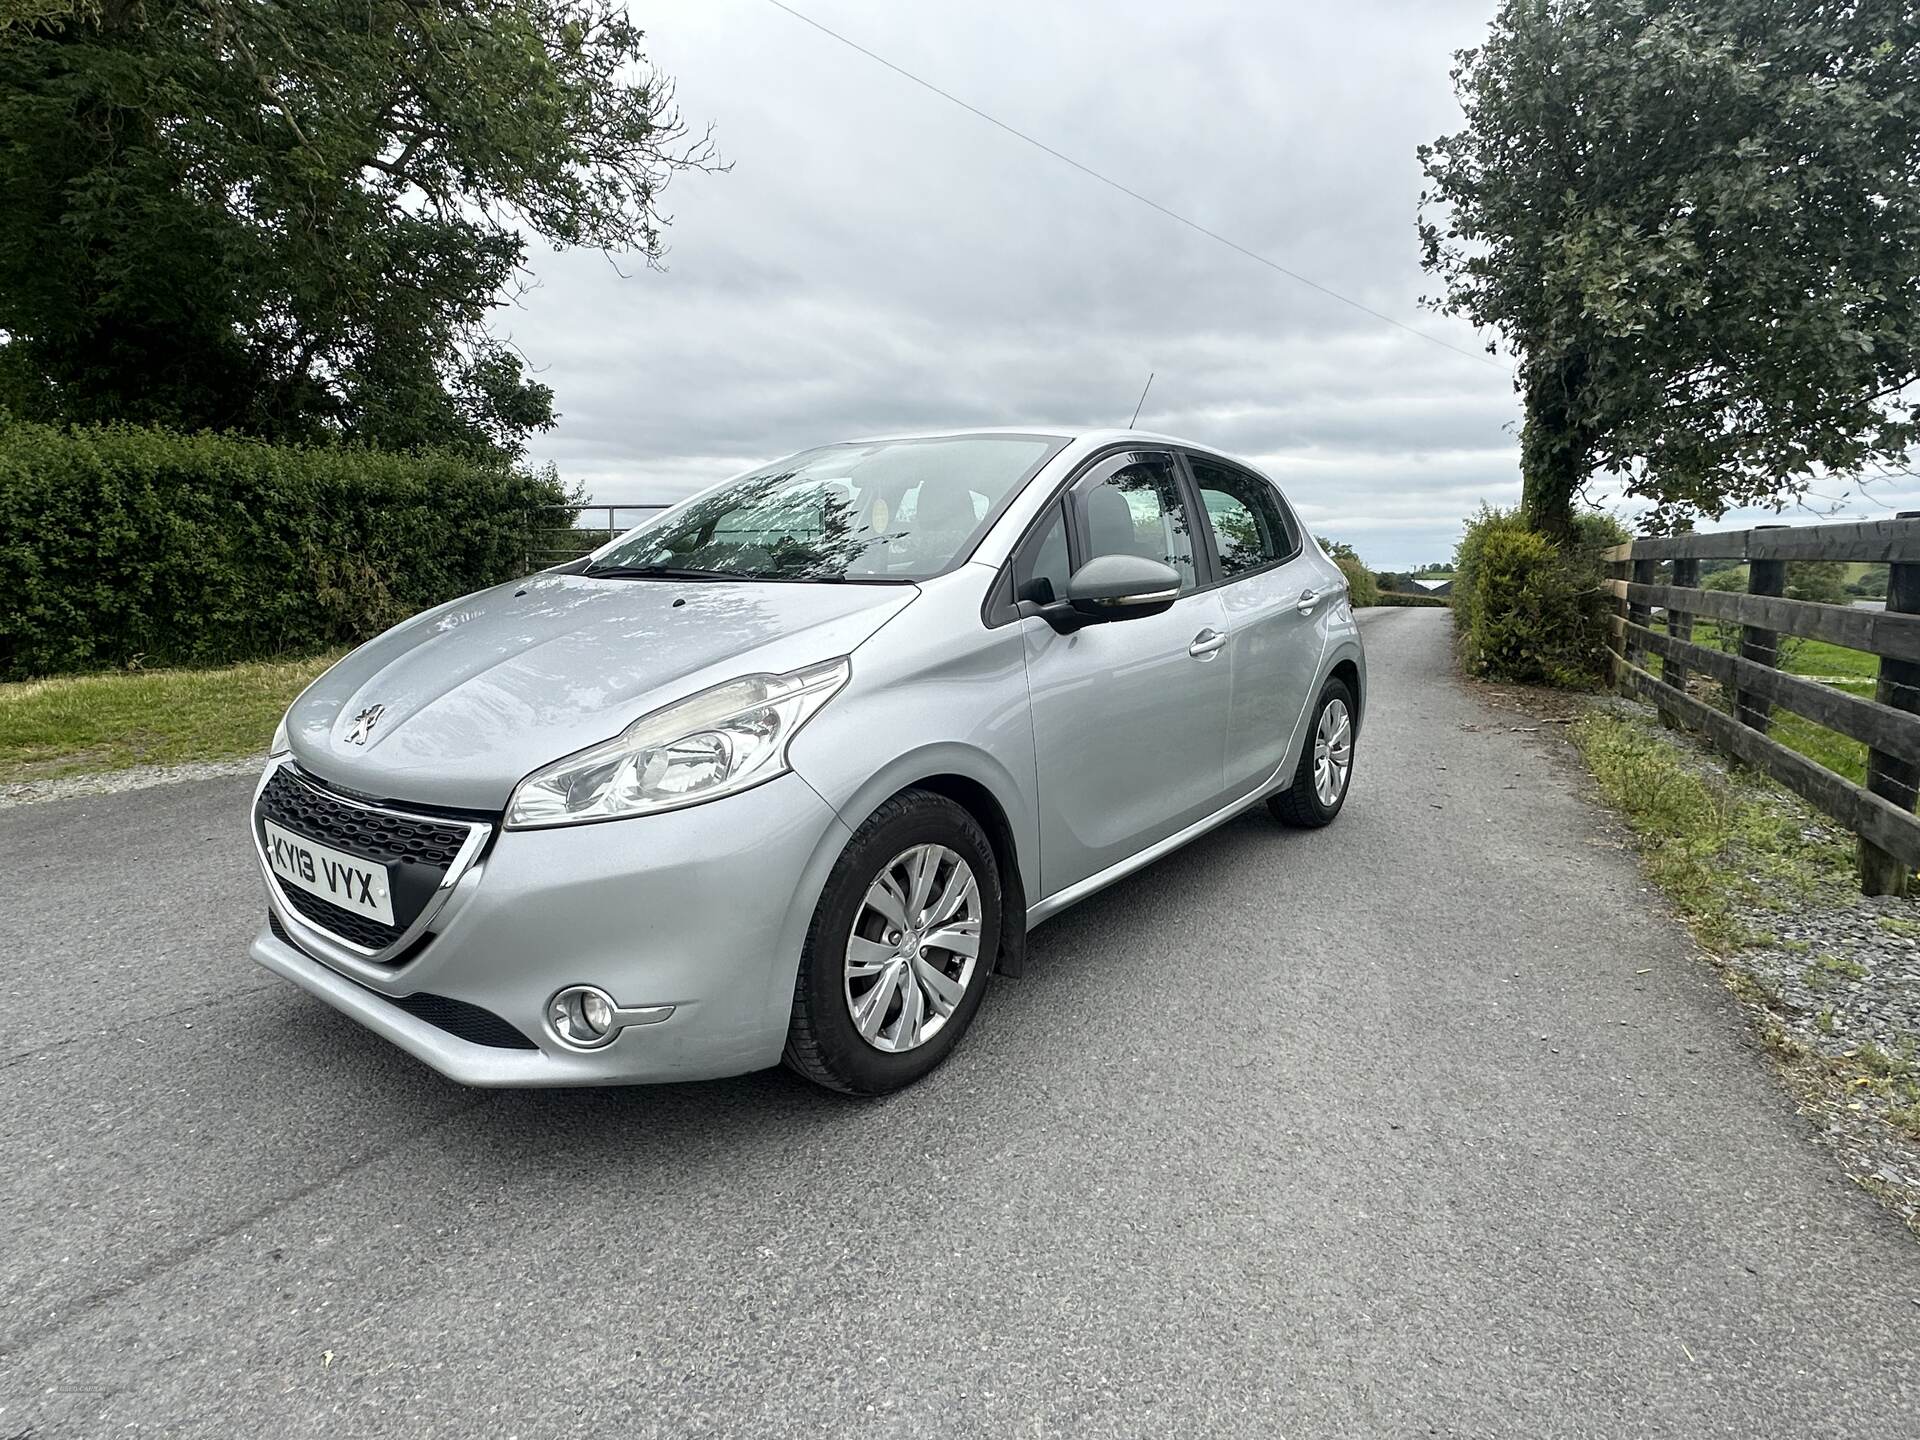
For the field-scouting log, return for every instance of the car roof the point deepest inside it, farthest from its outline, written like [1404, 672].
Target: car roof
[1089, 436]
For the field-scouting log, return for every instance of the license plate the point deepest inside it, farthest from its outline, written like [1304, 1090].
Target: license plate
[336, 877]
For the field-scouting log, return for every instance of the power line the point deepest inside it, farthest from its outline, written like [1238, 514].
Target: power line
[1111, 183]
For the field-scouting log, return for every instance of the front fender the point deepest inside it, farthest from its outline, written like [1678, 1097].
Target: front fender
[854, 801]
[933, 693]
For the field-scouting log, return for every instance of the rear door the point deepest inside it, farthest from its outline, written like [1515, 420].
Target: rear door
[1129, 717]
[1274, 592]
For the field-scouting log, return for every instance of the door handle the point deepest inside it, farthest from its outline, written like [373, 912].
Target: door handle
[1309, 598]
[1206, 643]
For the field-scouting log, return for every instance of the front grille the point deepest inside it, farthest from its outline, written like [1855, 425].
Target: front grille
[459, 1019]
[416, 852]
[361, 930]
[378, 835]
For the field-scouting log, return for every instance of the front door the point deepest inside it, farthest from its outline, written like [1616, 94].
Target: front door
[1129, 717]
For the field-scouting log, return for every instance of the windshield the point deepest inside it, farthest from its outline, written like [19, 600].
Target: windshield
[890, 510]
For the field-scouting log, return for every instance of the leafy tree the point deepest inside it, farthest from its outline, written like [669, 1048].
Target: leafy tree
[1824, 581]
[1697, 225]
[293, 218]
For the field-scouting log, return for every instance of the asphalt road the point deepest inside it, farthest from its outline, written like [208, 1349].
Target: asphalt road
[1373, 1132]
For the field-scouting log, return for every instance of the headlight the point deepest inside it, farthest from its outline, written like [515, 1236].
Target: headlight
[279, 745]
[715, 743]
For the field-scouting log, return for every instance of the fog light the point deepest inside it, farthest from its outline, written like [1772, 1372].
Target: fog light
[583, 1016]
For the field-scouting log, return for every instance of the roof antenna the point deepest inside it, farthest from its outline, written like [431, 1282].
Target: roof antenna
[1142, 400]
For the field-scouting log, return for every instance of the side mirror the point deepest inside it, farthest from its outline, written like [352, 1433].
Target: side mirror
[1114, 587]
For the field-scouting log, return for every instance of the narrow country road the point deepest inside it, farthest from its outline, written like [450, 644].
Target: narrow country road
[1372, 1132]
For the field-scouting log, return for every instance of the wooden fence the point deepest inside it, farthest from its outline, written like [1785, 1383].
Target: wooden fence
[1664, 572]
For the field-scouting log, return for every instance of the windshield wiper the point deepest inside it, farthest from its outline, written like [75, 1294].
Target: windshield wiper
[653, 572]
[796, 577]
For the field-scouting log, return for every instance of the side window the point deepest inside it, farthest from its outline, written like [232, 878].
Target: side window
[1137, 509]
[1250, 526]
[1040, 573]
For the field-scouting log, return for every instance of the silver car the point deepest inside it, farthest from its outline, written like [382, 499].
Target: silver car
[790, 771]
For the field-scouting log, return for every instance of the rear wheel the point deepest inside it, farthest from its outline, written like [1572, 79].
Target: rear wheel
[1320, 780]
[900, 950]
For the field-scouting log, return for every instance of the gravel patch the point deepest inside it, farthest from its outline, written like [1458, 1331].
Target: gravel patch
[1841, 985]
[112, 782]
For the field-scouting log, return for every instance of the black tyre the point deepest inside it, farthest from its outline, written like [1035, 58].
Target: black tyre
[1321, 779]
[886, 985]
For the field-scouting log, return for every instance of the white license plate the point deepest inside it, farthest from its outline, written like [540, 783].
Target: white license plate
[336, 877]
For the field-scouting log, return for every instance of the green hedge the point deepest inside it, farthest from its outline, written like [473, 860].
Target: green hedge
[1524, 608]
[1409, 601]
[120, 544]
[1362, 588]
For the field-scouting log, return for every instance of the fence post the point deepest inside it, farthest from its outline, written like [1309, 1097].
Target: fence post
[1889, 777]
[1644, 572]
[1617, 654]
[1686, 575]
[1764, 577]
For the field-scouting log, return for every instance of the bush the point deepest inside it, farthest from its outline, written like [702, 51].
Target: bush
[1408, 600]
[120, 544]
[1595, 530]
[1872, 584]
[1362, 588]
[1526, 610]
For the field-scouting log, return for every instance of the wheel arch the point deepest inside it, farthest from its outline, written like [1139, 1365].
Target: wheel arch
[981, 803]
[1347, 669]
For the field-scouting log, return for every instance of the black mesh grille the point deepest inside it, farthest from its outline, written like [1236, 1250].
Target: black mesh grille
[414, 852]
[465, 1022]
[371, 834]
[456, 1017]
[360, 929]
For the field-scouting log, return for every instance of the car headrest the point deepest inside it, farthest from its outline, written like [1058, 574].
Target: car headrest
[1110, 523]
[944, 506]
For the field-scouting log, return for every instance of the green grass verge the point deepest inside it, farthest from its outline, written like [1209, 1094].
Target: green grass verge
[84, 724]
[1721, 848]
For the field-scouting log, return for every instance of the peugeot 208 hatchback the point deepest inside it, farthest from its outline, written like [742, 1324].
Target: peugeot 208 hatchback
[791, 770]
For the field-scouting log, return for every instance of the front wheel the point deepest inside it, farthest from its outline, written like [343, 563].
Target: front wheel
[901, 948]
[1319, 785]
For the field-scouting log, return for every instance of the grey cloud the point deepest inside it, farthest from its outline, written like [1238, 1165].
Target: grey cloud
[878, 260]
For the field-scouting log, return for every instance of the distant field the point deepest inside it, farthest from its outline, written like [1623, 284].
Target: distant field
[1854, 671]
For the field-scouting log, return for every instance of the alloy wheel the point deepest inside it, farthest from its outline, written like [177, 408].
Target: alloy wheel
[914, 948]
[1332, 752]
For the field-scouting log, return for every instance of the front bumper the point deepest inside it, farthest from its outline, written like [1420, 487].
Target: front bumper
[704, 910]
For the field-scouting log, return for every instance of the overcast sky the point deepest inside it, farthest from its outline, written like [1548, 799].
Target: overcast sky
[879, 260]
